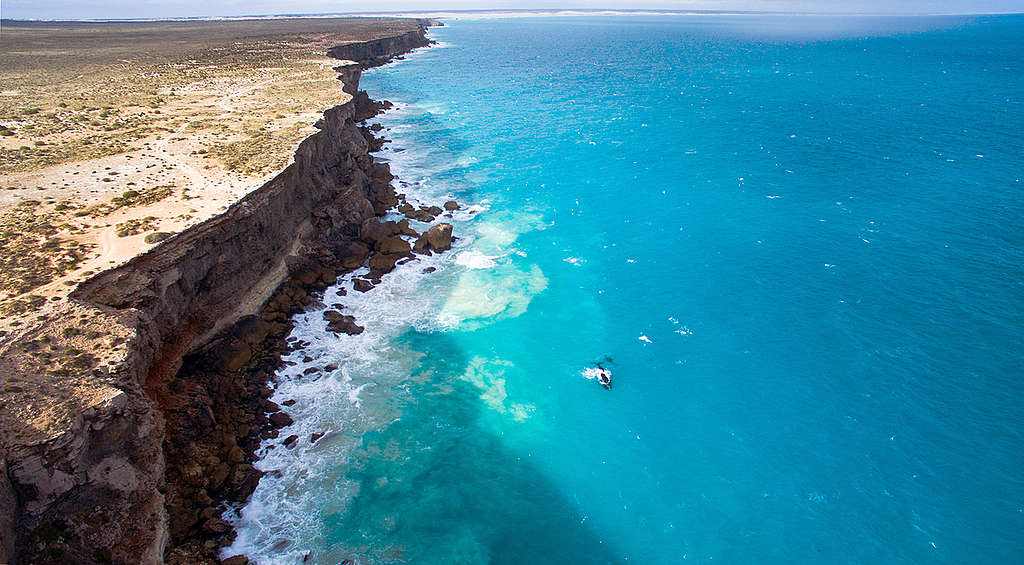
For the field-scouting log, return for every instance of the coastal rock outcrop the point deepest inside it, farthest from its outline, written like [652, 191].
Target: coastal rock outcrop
[340, 323]
[437, 238]
[381, 51]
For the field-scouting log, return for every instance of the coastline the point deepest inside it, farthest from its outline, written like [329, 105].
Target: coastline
[158, 449]
[808, 313]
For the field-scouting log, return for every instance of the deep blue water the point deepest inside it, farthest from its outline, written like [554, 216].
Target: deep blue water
[798, 239]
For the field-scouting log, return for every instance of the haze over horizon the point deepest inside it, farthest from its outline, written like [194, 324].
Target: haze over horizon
[123, 9]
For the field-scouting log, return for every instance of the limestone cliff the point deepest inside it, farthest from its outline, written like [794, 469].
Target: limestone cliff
[94, 480]
[379, 51]
[7, 525]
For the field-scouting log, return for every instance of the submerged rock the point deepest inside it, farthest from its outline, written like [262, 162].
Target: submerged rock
[425, 214]
[280, 420]
[341, 323]
[362, 285]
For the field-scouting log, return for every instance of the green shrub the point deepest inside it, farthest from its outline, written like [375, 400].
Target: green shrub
[157, 237]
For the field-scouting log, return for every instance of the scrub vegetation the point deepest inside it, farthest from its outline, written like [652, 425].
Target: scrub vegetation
[112, 132]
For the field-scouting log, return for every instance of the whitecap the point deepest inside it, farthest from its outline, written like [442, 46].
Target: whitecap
[475, 260]
[645, 339]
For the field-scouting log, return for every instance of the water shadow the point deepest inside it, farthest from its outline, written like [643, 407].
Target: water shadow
[436, 486]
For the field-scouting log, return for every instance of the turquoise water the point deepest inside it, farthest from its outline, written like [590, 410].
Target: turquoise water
[798, 240]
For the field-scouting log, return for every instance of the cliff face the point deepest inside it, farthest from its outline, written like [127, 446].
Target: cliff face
[208, 276]
[98, 488]
[379, 51]
[7, 524]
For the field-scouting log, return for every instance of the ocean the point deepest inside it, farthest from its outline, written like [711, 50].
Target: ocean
[795, 241]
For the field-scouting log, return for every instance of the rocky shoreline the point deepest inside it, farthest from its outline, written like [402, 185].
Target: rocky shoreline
[143, 474]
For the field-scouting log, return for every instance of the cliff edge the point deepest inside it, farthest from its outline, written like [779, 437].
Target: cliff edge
[97, 458]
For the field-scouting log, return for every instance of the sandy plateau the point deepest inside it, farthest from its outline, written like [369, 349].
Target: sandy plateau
[193, 185]
[115, 138]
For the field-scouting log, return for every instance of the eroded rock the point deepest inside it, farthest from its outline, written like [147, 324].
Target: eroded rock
[385, 262]
[392, 245]
[341, 323]
[280, 420]
[438, 238]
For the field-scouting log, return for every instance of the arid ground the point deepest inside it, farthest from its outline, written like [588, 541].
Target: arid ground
[115, 135]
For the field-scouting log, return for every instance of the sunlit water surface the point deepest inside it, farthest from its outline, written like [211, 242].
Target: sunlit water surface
[798, 240]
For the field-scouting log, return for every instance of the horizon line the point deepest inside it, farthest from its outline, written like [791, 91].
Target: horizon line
[520, 12]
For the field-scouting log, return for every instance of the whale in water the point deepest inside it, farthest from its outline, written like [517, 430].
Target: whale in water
[601, 374]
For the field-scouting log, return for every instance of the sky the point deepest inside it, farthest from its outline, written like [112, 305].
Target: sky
[107, 9]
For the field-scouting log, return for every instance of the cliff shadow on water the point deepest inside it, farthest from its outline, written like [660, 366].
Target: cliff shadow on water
[437, 486]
